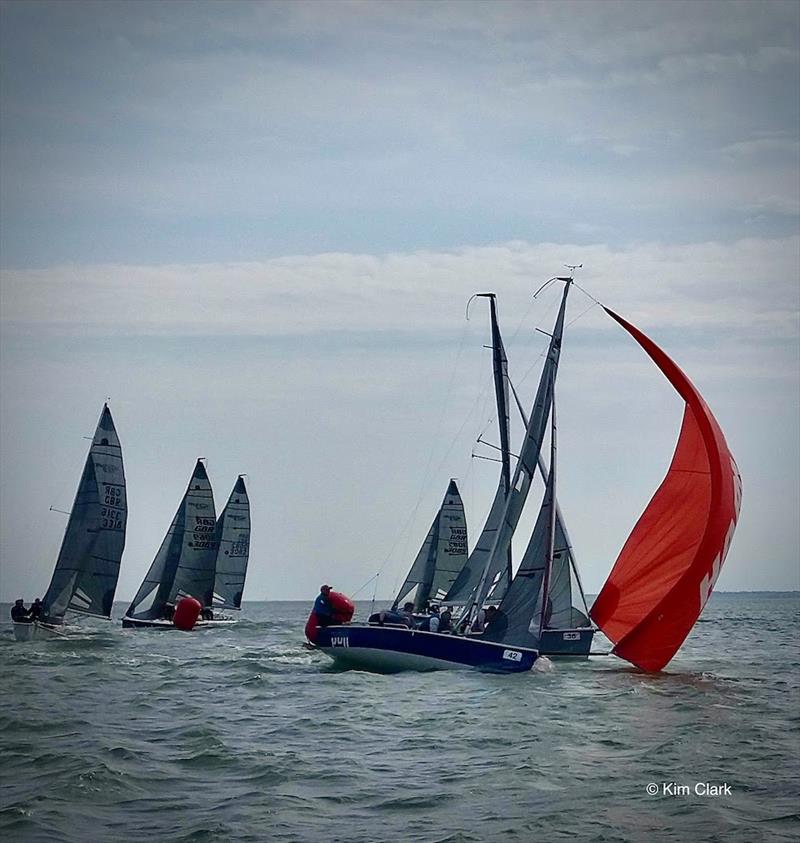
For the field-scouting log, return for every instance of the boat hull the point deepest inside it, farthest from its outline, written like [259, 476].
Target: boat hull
[572, 643]
[136, 623]
[35, 631]
[390, 649]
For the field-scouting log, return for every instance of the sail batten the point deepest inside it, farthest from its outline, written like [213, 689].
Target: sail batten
[667, 568]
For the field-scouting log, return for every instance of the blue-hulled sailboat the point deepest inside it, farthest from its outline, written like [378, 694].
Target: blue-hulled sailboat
[512, 637]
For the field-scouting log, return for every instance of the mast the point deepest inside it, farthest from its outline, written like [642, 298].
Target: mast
[551, 526]
[500, 368]
[528, 458]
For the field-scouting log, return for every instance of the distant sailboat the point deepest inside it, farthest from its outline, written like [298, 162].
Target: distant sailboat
[185, 563]
[86, 573]
[442, 556]
[233, 549]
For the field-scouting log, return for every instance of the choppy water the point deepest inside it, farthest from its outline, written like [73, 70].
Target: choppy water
[241, 734]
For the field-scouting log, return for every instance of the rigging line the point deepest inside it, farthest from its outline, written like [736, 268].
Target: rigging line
[403, 533]
[359, 590]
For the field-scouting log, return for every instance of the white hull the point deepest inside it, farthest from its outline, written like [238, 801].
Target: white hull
[135, 623]
[35, 631]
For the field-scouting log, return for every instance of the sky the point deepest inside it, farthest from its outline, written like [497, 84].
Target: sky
[255, 227]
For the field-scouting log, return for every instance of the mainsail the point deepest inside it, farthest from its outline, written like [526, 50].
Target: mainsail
[184, 564]
[233, 549]
[670, 562]
[442, 555]
[86, 573]
[500, 572]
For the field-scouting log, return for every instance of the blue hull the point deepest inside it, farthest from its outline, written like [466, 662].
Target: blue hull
[391, 649]
[566, 642]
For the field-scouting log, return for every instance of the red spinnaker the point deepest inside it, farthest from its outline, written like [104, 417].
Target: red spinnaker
[670, 562]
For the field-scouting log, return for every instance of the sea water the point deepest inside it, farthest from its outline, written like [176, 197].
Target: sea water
[241, 734]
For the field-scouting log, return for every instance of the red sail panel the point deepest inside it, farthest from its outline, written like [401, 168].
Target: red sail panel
[670, 562]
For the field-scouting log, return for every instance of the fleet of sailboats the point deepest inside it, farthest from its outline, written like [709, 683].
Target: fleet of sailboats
[654, 594]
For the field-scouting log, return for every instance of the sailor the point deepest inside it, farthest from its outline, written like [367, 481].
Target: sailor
[408, 614]
[322, 607]
[444, 620]
[169, 611]
[479, 624]
[19, 614]
[208, 614]
[36, 610]
[433, 621]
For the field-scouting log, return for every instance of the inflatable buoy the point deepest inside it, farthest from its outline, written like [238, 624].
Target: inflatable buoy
[187, 611]
[343, 610]
[343, 607]
[312, 625]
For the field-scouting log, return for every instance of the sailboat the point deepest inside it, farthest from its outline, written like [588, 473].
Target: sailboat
[185, 563]
[567, 630]
[657, 587]
[87, 569]
[442, 556]
[233, 550]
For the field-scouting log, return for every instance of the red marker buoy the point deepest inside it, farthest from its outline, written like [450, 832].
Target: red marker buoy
[187, 611]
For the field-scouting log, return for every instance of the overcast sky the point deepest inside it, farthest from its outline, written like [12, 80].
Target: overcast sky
[255, 226]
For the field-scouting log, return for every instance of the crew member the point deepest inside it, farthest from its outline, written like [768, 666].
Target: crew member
[36, 610]
[322, 607]
[19, 614]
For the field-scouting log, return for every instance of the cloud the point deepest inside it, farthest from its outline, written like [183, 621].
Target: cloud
[748, 285]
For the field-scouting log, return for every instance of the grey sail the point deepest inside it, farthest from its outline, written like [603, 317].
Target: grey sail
[442, 556]
[184, 564]
[233, 549]
[87, 569]
[519, 616]
[500, 572]
[492, 555]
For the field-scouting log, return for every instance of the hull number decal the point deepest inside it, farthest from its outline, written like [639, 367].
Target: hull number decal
[512, 655]
[339, 641]
[572, 636]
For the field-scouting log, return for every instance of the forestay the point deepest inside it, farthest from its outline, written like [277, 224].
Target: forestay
[184, 564]
[87, 569]
[233, 549]
[442, 556]
[670, 562]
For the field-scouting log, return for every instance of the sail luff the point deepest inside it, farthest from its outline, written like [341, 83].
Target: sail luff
[672, 558]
